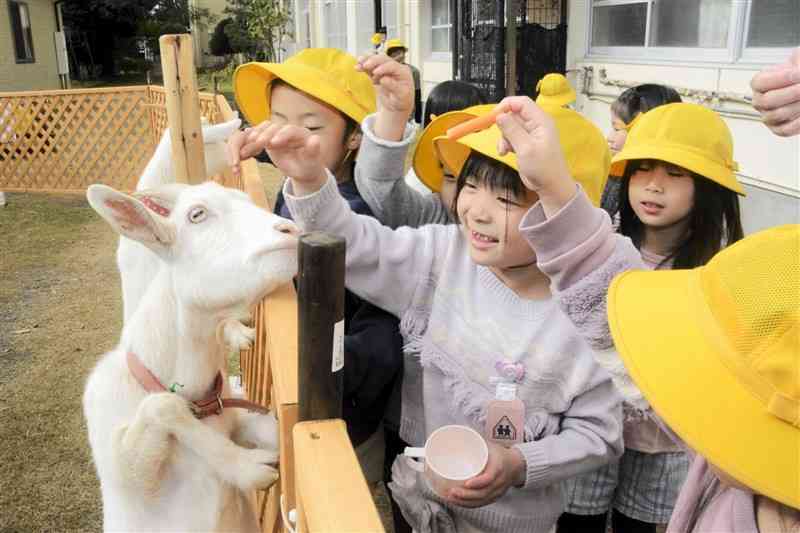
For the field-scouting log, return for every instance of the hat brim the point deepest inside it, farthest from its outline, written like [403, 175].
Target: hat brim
[558, 99]
[426, 160]
[251, 82]
[677, 367]
[455, 153]
[677, 156]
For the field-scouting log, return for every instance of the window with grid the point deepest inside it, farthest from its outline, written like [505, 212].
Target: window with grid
[441, 24]
[335, 13]
[21, 32]
[705, 30]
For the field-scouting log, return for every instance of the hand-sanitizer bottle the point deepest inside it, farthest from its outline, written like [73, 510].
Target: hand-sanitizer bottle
[505, 417]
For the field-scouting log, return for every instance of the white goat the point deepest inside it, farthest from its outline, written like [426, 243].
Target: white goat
[160, 467]
[138, 265]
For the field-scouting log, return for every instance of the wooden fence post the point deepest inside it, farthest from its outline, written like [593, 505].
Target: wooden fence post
[320, 296]
[183, 108]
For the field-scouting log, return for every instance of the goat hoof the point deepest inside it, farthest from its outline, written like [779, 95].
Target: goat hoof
[237, 335]
[256, 470]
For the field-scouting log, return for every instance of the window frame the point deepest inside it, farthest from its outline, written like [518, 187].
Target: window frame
[441, 55]
[736, 50]
[17, 5]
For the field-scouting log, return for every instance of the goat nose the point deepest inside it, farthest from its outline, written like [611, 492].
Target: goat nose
[288, 228]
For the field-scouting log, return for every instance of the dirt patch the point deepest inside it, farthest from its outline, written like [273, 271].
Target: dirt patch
[60, 310]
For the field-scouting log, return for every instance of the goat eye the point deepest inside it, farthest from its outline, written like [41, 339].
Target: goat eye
[197, 215]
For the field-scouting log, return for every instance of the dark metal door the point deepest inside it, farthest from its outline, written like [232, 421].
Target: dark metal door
[541, 42]
[478, 45]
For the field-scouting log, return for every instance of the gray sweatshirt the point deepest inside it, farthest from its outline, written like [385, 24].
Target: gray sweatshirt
[380, 180]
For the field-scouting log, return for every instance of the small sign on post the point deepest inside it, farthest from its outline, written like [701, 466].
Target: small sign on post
[183, 108]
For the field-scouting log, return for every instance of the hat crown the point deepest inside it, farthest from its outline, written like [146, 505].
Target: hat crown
[752, 290]
[394, 43]
[553, 84]
[583, 144]
[338, 68]
[686, 126]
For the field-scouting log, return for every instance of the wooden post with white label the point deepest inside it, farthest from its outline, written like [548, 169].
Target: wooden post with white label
[320, 311]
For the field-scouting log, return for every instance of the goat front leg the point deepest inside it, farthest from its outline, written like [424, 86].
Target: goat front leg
[256, 429]
[236, 335]
[141, 452]
[241, 467]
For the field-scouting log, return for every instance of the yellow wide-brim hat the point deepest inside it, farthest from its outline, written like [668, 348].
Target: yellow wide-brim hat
[716, 352]
[395, 43]
[555, 90]
[583, 144]
[426, 162]
[684, 134]
[327, 74]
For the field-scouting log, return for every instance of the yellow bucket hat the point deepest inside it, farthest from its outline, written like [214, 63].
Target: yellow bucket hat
[584, 146]
[395, 43]
[718, 356]
[555, 90]
[426, 162]
[327, 74]
[688, 135]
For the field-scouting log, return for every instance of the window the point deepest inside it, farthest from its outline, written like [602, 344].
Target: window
[335, 24]
[704, 30]
[441, 22]
[774, 23]
[366, 22]
[21, 32]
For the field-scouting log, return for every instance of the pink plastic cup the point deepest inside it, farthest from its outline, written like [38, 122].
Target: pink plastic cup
[451, 456]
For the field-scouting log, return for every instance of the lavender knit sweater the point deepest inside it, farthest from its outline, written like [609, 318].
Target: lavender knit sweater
[458, 320]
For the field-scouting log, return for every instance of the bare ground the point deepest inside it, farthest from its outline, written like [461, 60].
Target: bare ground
[60, 310]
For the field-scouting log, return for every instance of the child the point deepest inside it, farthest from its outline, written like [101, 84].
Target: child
[410, 203]
[737, 323]
[624, 111]
[475, 306]
[680, 207]
[554, 90]
[320, 89]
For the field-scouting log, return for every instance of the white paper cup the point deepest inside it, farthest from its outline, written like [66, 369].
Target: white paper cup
[452, 455]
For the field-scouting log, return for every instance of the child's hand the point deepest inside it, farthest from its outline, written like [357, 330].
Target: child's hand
[776, 94]
[293, 150]
[394, 88]
[506, 468]
[531, 134]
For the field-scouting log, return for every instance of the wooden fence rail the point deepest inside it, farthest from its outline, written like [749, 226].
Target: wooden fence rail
[63, 141]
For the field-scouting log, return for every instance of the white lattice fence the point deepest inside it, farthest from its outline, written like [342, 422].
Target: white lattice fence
[63, 141]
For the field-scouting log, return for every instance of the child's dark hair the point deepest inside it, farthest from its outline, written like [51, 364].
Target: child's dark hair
[451, 95]
[714, 220]
[643, 98]
[486, 171]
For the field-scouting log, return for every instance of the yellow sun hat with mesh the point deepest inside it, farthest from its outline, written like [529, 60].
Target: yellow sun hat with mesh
[716, 351]
[684, 134]
[583, 144]
[395, 43]
[327, 74]
[555, 90]
[426, 162]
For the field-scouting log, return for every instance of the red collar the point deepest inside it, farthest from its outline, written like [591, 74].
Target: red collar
[212, 404]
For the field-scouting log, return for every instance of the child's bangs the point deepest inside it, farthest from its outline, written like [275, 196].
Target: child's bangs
[488, 172]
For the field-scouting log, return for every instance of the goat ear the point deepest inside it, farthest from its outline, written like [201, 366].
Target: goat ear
[161, 199]
[220, 132]
[130, 218]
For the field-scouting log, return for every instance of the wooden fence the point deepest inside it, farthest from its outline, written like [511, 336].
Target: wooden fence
[63, 141]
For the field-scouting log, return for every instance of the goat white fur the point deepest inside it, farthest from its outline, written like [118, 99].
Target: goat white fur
[138, 265]
[160, 468]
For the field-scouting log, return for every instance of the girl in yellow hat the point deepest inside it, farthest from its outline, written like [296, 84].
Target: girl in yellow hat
[476, 309]
[679, 205]
[624, 110]
[321, 90]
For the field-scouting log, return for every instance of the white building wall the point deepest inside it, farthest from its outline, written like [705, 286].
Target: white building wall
[769, 165]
